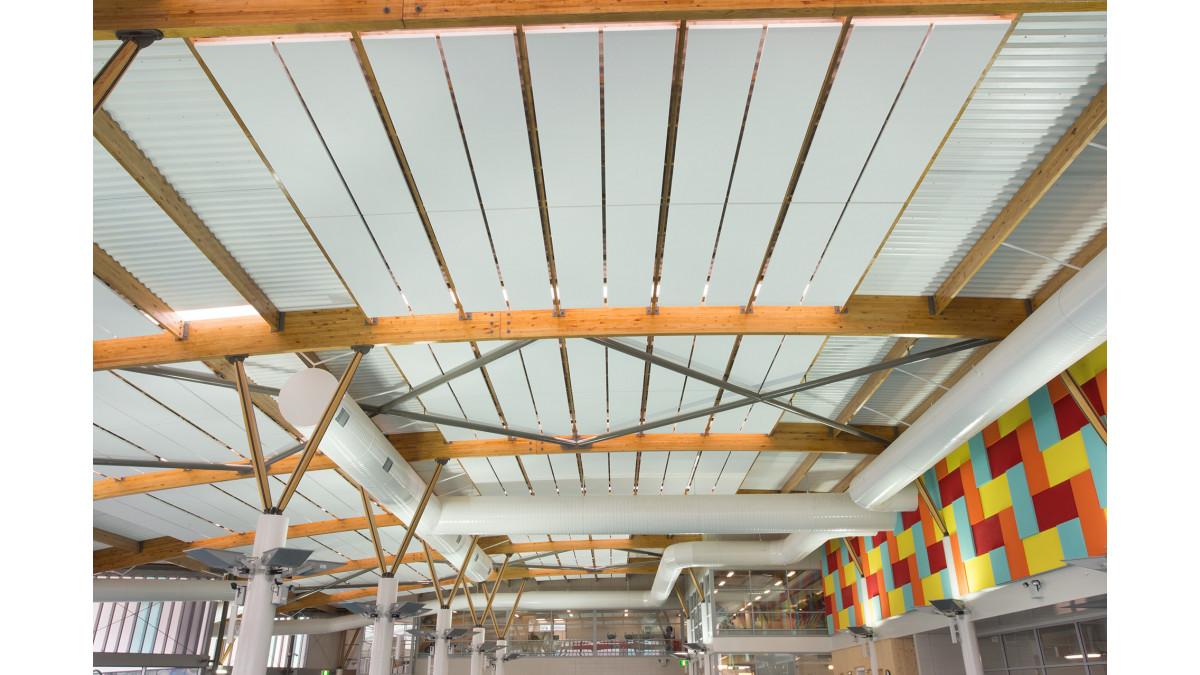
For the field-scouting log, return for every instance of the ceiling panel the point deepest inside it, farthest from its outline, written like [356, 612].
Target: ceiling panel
[754, 356]
[595, 472]
[112, 317]
[588, 385]
[480, 471]
[469, 388]
[666, 386]
[507, 375]
[710, 354]
[418, 365]
[651, 471]
[210, 503]
[622, 467]
[851, 249]
[543, 365]
[537, 467]
[772, 469]
[566, 474]
[625, 378]
[734, 472]
[708, 471]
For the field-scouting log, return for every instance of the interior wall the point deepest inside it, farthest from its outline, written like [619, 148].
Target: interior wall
[897, 655]
[937, 655]
[324, 650]
[1019, 497]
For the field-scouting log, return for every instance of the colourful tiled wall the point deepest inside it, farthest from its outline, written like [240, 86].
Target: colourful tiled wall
[1018, 498]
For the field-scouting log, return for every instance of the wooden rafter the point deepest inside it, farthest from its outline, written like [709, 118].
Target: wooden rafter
[129, 156]
[162, 480]
[844, 483]
[1086, 255]
[1064, 152]
[341, 328]
[116, 541]
[181, 18]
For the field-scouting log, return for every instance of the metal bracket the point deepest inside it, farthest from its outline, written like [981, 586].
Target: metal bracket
[583, 446]
[466, 316]
[443, 461]
[187, 326]
[932, 307]
[361, 349]
[1028, 307]
[372, 321]
[142, 38]
[234, 358]
[652, 310]
[558, 312]
[742, 309]
[280, 318]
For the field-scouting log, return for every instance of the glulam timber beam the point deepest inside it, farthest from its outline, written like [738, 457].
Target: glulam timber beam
[164, 480]
[330, 329]
[788, 437]
[116, 541]
[1057, 160]
[141, 169]
[181, 18]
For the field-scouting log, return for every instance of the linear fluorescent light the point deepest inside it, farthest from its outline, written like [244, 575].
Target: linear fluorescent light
[1080, 656]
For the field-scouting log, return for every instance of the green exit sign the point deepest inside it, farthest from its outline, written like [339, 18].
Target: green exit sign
[683, 662]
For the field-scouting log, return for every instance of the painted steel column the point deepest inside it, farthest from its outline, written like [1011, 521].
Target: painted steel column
[441, 647]
[476, 655]
[874, 663]
[258, 615]
[381, 645]
[501, 652]
[970, 645]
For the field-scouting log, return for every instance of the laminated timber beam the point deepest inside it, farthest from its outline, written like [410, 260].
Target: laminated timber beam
[788, 437]
[329, 329]
[183, 18]
[163, 480]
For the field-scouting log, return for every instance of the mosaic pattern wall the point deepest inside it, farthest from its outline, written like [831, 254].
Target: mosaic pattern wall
[1018, 498]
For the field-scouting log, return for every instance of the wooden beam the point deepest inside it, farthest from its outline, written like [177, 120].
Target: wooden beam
[330, 329]
[129, 156]
[124, 284]
[183, 18]
[163, 480]
[116, 541]
[788, 437]
[1086, 255]
[1089, 122]
[106, 80]
[800, 472]
[868, 389]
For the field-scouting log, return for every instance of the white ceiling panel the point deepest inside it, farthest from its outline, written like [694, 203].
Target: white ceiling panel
[871, 72]
[637, 99]
[588, 388]
[209, 503]
[710, 355]
[687, 253]
[543, 365]
[747, 230]
[679, 472]
[851, 250]
[352, 545]
[413, 83]
[330, 80]
[754, 357]
[348, 244]
[564, 69]
[332, 492]
[790, 73]
[509, 473]
[631, 233]
[761, 419]
[480, 471]
[537, 467]
[708, 470]
[566, 474]
[716, 80]
[507, 375]
[577, 234]
[734, 472]
[255, 82]
[951, 61]
[666, 386]
[487, 90]
[828, 471]
[112, 317]
[595, 472]
[625, 376]
[246, 490]
[405, 246]
[105, 444]
[796, 354]
[120, 526]
[729, 421]
[153, 514]
[517, 238]
[772, 469]
[621, 468]
[651, 471]
[418, 365]
[465, 247]
[802, 239]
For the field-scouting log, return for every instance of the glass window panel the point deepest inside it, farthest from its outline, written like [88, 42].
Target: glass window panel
[992, 651]
[1060, 645]
[1025, 671]
[1021, 649]
[1067, 670]
[1095, 639]
[1100, 669]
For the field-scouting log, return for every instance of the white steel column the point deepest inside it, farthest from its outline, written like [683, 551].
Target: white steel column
[476, 655]
[970, 644]
[441, 647]
[258, 615]
[871, 649]
[381, 646]
[501, 652]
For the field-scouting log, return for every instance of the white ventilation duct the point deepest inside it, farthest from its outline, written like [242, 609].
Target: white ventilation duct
[161, 590]
[655, 514]
[315, 626]
[1072, 323]
[357, 446]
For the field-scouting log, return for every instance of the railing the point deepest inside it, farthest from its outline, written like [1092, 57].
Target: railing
[772, 623]
[599, 648]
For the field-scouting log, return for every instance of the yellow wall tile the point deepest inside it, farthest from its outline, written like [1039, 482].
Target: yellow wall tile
[948, 519]
[960, 456]
[979, 573]
[1014, 418]
[844, 618]
[896, 601]
[1043, 551]
[830, 585]
[874, 560]
[904, 544]
[995, 496]
[1065, 458]
[1087, 367]
[932, 587]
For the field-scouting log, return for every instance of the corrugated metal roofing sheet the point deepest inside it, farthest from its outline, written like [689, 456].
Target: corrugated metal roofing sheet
[902, 392]
[167, 105]
[839, 355]
[1047, 72]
